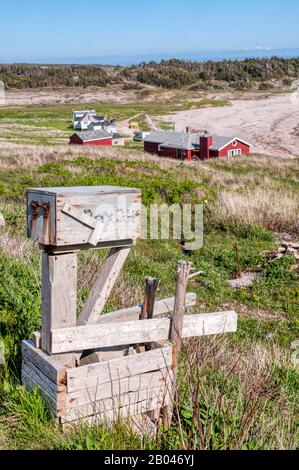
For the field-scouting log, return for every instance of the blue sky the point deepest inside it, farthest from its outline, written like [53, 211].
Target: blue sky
[53, 29]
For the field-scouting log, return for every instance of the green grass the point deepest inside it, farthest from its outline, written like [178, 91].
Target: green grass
[257, 406]
[60, 116]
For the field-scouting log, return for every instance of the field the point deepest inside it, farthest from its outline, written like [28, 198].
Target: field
[234, 392]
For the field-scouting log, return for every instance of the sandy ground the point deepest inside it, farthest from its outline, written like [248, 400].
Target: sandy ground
[270, 124]
[67, 96]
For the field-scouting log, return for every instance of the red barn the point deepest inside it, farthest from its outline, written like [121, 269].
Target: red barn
[189, 146]
[91, 138]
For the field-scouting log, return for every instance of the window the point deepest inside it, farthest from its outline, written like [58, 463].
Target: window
[234, 153]
[234, 143]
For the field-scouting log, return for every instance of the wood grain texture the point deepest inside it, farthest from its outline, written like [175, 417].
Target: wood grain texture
[161, 307]
[59, 297]
[102, 288]
[56, 407]
[92, 393]
[48, 366]
[99, 373]
[115, 414]
[176, 328]
[128, 401]
[117, 209]
[132, 332]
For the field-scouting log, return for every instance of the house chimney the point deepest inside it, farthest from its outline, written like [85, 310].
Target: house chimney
[206, 142]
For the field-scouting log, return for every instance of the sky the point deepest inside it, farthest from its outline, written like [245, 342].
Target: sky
[55, 30]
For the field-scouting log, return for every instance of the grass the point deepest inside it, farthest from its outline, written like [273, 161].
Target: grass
[235, 392]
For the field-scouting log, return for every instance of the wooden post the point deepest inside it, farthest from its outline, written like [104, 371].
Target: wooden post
[147, 311]
[59, 298]
[103, 286]
[182, 277]
[238, 260]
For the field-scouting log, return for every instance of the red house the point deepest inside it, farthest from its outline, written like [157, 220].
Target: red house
[91, 138]
[189, 146]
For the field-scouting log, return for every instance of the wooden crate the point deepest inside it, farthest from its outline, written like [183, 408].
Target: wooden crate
[102, 391]
[87, 215]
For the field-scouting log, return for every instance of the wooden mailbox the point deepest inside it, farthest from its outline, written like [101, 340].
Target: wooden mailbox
[88, 215]
[97, 367]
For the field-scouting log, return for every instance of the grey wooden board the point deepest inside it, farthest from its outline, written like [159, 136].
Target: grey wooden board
[52, 249]
[40, 379]
[59, 297]
[44, 362]
[102, 288]
[57, 407]
[99, 373]
[118, 209]
[132, 313]
[161, 378]
[83, 190]
[144, 331]
[113, 415]
[128, 400]
[38, 228]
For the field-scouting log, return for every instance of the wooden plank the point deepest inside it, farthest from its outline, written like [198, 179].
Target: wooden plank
[131, 332]
[129, 400]
[40, 379]
[53, 369]
[52, 249]
[37, 339]
[102, 288]
[147, 311]
[132, 313]
[116, 224]
[59, 297]
[176, 329]
[177, 319]
[119, 209]
[57, 407]
[120, 368]
[92, 393]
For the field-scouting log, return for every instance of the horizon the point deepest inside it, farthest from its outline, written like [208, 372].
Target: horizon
[135, 59]
[65, 32]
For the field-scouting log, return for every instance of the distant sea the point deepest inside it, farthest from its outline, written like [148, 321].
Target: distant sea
[200, 56]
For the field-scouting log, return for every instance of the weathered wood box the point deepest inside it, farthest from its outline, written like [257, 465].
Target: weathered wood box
[87, 215]
[102, 391]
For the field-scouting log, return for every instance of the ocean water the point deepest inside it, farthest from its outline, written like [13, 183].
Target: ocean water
[127, 60]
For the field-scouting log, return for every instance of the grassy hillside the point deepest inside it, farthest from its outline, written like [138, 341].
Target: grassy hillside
[240, 389]
[246, 74]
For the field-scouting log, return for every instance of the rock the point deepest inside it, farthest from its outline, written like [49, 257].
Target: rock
[283, 236]
[2, 221]
[246, 280]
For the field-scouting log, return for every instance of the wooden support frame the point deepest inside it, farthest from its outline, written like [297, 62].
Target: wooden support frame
[115, 334]
[118, 379]
[59, 298]
[102, 288]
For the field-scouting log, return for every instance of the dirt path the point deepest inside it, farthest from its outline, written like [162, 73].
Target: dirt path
[270, 124]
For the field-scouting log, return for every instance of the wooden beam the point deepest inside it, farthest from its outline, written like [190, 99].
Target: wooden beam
[59, 297]
[176, 329]
[133, 313]
[99, 373]
[136, 383]
[144, 331]
[128, 401]
[103, 286]
[147, 311]
[43, 361]
[177, 319]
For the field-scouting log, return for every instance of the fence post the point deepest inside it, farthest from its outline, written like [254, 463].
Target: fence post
[182, 277]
